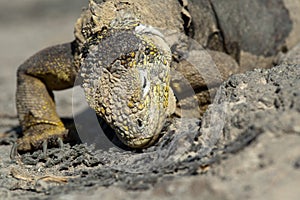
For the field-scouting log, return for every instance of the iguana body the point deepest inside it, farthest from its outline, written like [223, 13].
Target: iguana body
[124, 64]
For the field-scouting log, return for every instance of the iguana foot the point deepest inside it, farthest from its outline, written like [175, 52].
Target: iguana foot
[39, 136]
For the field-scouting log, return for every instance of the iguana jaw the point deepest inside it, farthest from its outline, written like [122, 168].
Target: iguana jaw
[141, 142]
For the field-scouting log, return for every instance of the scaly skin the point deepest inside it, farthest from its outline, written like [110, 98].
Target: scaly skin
[124, 64]
[128, 86]
[37, 77]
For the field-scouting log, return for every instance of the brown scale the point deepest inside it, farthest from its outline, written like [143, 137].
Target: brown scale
[128, 60]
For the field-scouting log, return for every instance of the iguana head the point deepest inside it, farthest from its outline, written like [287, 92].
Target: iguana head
[126, 81]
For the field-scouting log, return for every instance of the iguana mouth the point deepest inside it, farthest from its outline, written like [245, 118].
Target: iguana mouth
[143, 142]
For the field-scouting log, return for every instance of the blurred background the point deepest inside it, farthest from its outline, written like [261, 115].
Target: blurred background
[25, 28]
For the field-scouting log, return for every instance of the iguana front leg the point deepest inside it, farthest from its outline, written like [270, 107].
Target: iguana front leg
[48, 70]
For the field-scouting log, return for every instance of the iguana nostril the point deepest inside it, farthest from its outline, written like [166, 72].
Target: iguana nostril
[140, 123]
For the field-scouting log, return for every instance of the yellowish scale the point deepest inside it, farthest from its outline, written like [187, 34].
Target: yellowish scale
[132, 54]
[165, 62]
[157, 87]
[141, 106]
[130, 104]
[126, 128]
[166, 95]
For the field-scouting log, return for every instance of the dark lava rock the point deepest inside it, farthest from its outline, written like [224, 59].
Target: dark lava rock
[252, 33]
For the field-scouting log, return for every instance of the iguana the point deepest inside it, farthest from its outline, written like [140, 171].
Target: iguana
[124, 64]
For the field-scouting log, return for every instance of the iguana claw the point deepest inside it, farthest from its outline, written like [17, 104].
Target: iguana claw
[14, 151]
[45, 146]
[60, 143]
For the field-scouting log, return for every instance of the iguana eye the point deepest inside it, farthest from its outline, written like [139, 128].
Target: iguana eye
[145, 83]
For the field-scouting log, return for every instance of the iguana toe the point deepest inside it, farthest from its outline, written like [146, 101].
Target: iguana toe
[41, 136]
